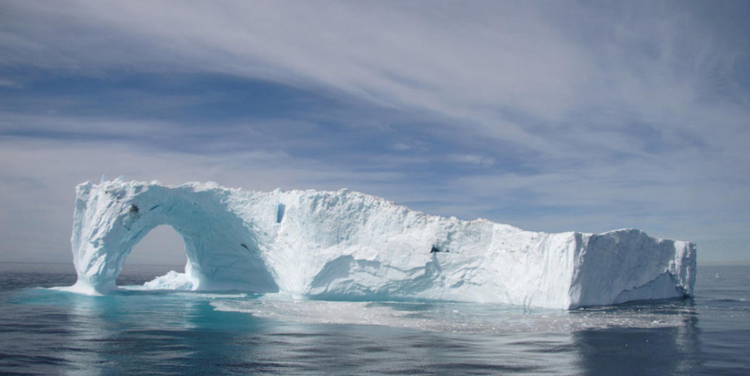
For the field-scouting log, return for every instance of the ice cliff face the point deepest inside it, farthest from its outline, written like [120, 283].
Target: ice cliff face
[348, 245]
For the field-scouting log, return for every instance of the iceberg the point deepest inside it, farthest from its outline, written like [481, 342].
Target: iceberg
[345, 245]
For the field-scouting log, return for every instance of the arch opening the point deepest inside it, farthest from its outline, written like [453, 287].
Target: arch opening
[159, 252]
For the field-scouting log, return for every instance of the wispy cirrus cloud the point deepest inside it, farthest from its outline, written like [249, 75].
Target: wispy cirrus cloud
[593, 114]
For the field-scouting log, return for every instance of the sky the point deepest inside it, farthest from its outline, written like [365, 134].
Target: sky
[548, 116]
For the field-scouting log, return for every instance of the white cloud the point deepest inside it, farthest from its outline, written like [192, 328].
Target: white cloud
[472, 159]
[476, 66]
[9, 84]
[400, 147]
[470, 67]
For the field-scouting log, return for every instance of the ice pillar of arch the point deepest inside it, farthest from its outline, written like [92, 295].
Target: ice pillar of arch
[110, 219]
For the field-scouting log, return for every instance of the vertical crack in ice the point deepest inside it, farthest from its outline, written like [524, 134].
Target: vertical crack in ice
[280, 213]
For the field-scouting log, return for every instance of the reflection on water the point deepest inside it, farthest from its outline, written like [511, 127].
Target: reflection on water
[184, 333]
[643, 351]
[135, 332]
[87, 329]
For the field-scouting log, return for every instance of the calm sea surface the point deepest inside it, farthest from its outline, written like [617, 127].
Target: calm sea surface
[49, 332]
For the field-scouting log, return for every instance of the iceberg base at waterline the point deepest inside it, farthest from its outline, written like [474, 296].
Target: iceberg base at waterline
[344, 245]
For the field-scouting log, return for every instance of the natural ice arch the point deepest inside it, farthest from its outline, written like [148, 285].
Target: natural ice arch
[222, 251]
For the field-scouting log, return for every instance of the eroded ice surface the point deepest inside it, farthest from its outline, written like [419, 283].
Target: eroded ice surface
[350, 246]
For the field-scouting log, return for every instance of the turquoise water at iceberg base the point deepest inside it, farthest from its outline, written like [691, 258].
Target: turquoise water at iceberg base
[48, 332]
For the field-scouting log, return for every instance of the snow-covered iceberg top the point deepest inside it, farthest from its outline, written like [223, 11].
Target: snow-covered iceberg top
[349, 245]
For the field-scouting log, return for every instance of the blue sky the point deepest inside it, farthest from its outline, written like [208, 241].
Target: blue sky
[550, 116]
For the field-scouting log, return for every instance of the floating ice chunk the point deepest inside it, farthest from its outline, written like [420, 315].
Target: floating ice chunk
[171, 281]
[346, 245]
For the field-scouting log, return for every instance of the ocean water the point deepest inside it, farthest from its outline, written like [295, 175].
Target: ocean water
[48, 332]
